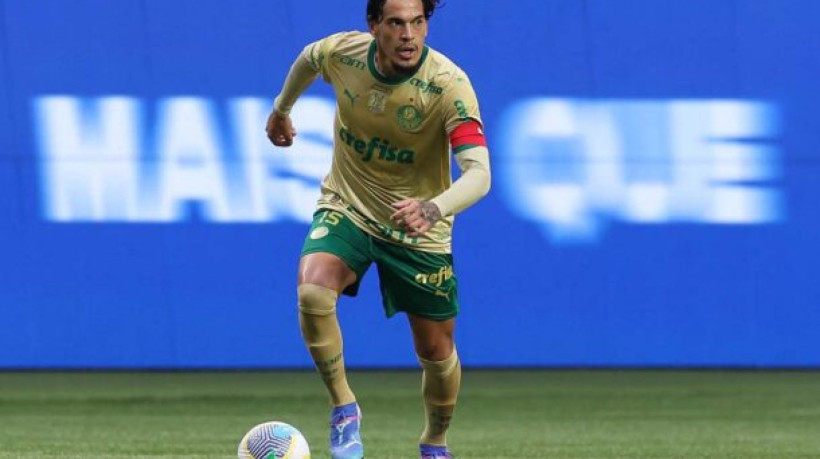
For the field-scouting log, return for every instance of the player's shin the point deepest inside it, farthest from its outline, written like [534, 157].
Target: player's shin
[440, 384]
[323, 338]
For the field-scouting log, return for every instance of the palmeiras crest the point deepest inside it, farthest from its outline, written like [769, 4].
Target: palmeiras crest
[409, 117]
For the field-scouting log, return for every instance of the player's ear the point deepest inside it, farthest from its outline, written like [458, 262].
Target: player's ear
[373, 26]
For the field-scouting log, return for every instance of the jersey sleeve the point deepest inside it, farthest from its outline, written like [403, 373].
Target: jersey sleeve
[318, 52]
[460, 103]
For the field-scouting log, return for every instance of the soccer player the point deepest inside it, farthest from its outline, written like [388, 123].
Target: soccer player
[389, 199]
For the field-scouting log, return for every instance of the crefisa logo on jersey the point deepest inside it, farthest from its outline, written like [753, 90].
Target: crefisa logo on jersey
[382, 148]
[426, 87]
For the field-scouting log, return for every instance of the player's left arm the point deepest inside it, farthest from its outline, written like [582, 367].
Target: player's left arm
[419, 216]
[473, 159]
[469, 146]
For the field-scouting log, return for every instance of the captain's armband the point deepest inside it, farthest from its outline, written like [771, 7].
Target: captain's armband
[467, 135]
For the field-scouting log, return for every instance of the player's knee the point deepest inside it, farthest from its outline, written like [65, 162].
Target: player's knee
[432, 353]
[435, 349]
[440, 366]
[316, 300]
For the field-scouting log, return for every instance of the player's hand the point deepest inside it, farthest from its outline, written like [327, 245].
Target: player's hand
[416, 216]
[280, 129]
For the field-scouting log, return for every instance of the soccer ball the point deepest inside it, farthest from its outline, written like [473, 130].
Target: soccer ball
[273, 440]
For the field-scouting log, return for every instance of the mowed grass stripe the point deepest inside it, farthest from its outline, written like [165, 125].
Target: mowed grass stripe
[501, 414]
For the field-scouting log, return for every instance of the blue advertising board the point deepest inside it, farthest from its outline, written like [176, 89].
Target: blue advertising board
[654, 201]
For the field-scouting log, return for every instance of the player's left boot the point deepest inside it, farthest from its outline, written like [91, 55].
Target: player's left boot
[345, 439]
[434, 452]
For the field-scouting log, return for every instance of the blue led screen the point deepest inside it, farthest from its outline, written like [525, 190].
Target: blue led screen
[654, 196]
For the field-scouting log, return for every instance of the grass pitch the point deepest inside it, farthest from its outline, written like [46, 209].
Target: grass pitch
[501, 415]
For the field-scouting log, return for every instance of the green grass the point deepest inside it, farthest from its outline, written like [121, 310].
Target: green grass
[506, 414]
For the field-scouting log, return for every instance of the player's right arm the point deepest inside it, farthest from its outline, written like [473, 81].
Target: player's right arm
[280, 128]
[307, 66]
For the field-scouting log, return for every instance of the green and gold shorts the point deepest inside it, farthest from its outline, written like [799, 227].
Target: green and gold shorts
[411, 281]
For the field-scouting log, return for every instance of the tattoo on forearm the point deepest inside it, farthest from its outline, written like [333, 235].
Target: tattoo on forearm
[430, 212]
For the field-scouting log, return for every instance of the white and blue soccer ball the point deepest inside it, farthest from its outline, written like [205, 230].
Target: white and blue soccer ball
[273, 440]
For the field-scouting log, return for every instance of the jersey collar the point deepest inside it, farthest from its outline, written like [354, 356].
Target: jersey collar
[371, 64]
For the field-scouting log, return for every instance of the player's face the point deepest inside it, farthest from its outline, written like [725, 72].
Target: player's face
[400, 36]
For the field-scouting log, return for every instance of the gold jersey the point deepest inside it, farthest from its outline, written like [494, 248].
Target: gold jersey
[391, 137]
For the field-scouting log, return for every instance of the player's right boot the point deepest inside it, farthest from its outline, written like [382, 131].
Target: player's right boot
[345, 439]
[434, 452]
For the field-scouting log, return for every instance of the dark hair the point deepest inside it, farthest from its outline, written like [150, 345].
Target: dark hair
[375, 9]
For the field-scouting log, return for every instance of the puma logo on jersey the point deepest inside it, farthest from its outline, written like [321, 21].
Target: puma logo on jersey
[443, 293]
[351, 97]
[381, 148]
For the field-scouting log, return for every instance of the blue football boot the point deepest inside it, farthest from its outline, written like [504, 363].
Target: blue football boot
[345, 439]
[434, 452]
